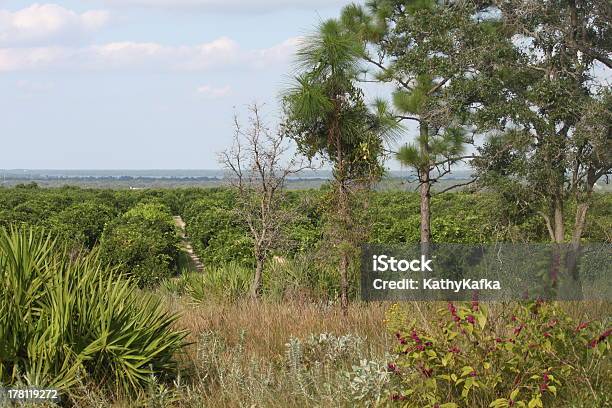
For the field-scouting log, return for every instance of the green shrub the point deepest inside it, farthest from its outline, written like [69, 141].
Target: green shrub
[228, 246]
[216, 232]
[64, 322]
[143, 243]
[81, 224]
[305, 232]
[175, 286]
[166, 197]
[530, 356]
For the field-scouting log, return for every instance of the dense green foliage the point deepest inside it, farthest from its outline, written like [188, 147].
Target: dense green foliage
[217, 235]
[81, 224]
[286, 279]
[143, 243]
[138, 226]
[137, 235]
[525, 75]
[66, 321]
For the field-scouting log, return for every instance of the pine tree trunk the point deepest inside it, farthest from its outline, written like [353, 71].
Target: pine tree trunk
[425, 192]
[425, 209]
[343, 206]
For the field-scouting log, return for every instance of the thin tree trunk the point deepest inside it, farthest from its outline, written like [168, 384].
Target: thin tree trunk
[258, 278]
[425, 192]
[574, 250]
[343, 208]
[579, 224]
[558, 238]
[558, 220]
[559, 235]
[344, 255]
[425, 196]
[344, 284]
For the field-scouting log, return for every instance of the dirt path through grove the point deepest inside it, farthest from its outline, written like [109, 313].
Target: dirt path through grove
[186, 245]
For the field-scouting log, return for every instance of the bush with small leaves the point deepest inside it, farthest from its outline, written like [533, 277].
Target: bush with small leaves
[143, 243]
[524, 357]
[81, 224]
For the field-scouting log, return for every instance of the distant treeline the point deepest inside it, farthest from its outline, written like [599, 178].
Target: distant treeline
[390, 182]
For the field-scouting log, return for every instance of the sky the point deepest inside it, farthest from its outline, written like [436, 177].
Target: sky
[145, 84]
[141, 84]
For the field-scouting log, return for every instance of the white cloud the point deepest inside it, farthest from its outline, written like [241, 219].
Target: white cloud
[220, 53]
[275, 54]
[248, 6]
[41, 23]
[122, 54]
[212, 92]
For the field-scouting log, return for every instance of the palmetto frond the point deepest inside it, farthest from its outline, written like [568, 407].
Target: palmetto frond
[62, 318]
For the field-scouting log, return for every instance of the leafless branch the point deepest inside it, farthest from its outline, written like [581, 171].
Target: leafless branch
[258, 165]
[457, 186]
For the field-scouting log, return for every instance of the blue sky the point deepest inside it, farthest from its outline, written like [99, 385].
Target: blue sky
[95, 84]
[144, 84]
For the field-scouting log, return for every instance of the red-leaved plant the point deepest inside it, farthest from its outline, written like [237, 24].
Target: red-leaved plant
[522, 357]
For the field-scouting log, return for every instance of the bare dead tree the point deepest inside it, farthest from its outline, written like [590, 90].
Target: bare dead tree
[258, 165]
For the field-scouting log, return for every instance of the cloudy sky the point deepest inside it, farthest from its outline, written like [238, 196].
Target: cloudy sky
[96, 84]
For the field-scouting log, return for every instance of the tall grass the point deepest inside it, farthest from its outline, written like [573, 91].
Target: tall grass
[67, 321]
[277, 354]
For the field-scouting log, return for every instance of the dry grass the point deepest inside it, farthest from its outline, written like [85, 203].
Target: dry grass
[238, 356]
[266, 327]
